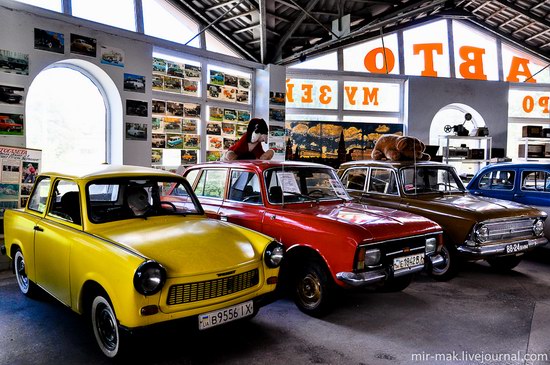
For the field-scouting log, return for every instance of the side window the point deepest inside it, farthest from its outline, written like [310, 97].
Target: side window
[382, 181]
[245, 187]
[37, 201]
[535, 181]
[211, 183]
[498, 180]
[192, 176]
[65, 203]
[355, 179]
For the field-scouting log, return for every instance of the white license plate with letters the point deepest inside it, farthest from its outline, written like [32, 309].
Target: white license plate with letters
[215, 318]
[516, 247]
[400, 263]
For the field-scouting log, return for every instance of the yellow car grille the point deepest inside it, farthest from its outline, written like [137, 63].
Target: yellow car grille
[203, 290]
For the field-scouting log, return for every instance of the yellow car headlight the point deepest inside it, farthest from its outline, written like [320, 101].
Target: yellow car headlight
[149, 278]
[274, 254]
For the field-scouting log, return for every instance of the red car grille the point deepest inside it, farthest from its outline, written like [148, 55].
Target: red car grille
[203, 290]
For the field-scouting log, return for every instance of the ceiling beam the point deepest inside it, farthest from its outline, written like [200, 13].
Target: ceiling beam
[524, 12]
[201, 17]
[293, 27]
[278, 17]
[286, 3]
[246, 29]
[263, 32]
[221, 5]
[238, 16]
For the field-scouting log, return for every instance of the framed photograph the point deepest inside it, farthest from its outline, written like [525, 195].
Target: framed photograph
[217, 78]
[231, 80]
[137, 108]
[159, 107]
[189, 126]
[243, 115]
[172, 84]
[159, 65]
[136, 131]
[228, 142]
[242, 96]
[190, 87]
[11, 124]
[11, 95]
[244, 83]
[23, 202]
[156, 156]
[215, 143]
[228, 129]
[240, 129]
[112, 56]
[157, 82]
[276, 98]
[157, 125]
[214, 91]
[46, 40]
[229, 93]
[277, 115]
[29, 172]
[216, 114]
[172, 125]
[158, 140]
[26, 189]
[14, 62]
[192, 72]
[192, 110]
[188, 157]
[175, 69]
[9, 192]
[229, 115]
[174, 108]
[276, 131]
[174, 141]
[214, 128]
[135, 83]
[11, 171]
[83, 45]
[191, 141]
[213, 155]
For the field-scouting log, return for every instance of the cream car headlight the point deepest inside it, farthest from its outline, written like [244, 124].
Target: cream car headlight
[482, 233]
[431, 245]
[538, 227]
[274, 254]
[149, 278]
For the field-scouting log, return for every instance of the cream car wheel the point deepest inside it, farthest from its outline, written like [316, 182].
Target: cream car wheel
[26, 286]
[105, 326]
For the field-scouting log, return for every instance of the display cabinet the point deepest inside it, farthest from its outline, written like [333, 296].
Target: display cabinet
[467, 154]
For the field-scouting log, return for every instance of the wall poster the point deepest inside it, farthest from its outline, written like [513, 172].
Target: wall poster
[20, 167]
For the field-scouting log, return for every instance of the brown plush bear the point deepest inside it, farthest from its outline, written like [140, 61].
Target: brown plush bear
[399, 148]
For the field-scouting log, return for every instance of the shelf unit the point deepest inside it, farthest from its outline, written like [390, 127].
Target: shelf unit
[465, 166]
[525, 142]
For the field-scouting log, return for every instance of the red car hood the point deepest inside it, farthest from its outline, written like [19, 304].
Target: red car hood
[381, 223]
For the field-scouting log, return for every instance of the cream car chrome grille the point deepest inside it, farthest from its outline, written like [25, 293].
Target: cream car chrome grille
[204, 290]
[510, 229]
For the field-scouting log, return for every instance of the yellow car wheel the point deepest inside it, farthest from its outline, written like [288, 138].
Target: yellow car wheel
[26, 286]
[105, 326]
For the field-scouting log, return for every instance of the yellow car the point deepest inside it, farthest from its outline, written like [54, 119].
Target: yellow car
[108, 246]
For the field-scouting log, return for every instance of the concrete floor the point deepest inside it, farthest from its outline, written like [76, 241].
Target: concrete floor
[479, 313]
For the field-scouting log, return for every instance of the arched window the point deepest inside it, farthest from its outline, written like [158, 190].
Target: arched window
[68, 114]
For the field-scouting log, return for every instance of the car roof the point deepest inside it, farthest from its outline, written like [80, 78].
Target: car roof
[394, 164]
[518, 165]
[261, 164]
[106, 171]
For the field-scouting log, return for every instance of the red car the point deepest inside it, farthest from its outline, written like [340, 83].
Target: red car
[330, 241]
[8, 125]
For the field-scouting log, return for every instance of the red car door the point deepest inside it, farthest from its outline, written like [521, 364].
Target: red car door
[243, 204]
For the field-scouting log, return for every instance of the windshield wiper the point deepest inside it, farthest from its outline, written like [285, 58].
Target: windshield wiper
[302, 196]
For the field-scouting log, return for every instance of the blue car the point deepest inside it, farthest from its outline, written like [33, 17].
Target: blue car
[527, 183]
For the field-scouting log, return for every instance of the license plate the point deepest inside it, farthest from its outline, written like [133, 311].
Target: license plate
[406, 262]
[516, 247]
[215, 318]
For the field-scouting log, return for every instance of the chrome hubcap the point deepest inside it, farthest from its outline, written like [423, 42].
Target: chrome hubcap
[310, 291]
[443, 269]
[106, 327]
[21, 275]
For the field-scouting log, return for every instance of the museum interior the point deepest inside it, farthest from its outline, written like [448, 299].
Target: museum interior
[346, 182]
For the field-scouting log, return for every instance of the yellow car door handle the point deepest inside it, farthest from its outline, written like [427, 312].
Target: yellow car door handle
[38, 228]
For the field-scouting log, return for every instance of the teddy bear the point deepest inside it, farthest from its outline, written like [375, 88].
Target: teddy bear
[399, 148]
[249, 146]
